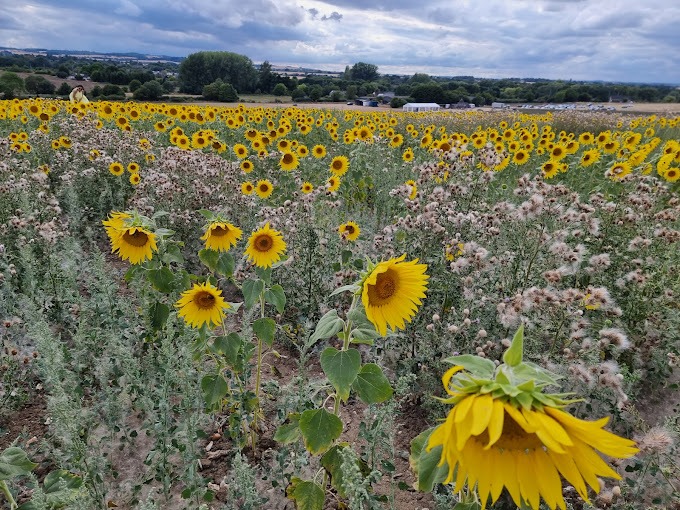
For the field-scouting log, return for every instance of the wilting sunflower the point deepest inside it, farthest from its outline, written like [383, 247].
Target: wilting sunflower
[307, 187]
[247, 188]
[503, 431]
[135, 244]
[339, 165]
[392, 291]
[116, 168]
[414, 189]
[202, 304]
[349, 231]
[265, 246]
[220, 236]
[264, 188]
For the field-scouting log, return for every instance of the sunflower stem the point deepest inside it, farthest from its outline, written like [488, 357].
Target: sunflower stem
[258, 380]
[8, 495]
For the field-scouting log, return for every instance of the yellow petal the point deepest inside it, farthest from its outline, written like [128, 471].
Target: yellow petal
[495, 423]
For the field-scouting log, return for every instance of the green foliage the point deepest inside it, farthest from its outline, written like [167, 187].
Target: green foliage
[149, 91]
[11, 85]
[205, 67]
[220, 91]
[37, 84]
[280, 90]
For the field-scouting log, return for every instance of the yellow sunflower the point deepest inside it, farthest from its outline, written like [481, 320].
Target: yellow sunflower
[247, 166]
[133, 168]
[307, 187]
[264, 188]
[247, 188]
[319, 151]
[135, 179]
[392, 292]
[241, 151]
[339, 166]
[590, 157]
[135, 244]
[116, 168]
[333, 184]
[349, 231]
[503, 431]
[220, 236]
[289, 161]
[265, 246]
[115, 222]
[202, 304]
[414, 189]
[407, 155]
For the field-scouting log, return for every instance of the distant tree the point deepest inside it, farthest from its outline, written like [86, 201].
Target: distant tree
[428, 93]
[315, 92]
[420, 78]
[134, 85]
[11, 84]
[336, 96]
[36, 84]
[298, 93]
[95, 92]
[169, 85]
[64, 89]
[149, 91]
[266, 78]
[113, 90]
[220, 91]
[397, 102]
[347, 75]
[280, 90]
[403, 89]
[351, 92]
[203, 68]
[364, 71]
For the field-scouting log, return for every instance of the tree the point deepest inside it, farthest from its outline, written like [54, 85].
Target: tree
[203, 68]
[298, 93]
[397, 102]
[134, 85]
[11, 84]
[351, 92]
[315, 92]
[420, 78]
[220, 91]
[280, 90]
[64, 89]
[149, 91]
[36, 84]
[266, 78]
[364, 71]
[428, 93]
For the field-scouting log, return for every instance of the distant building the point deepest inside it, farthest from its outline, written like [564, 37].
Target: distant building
[421, 107]
[496, 104]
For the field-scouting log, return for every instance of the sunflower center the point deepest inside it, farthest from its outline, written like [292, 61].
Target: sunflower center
[287, 158]
[138, 238]
[204, 300]
[264, 188]
[219, 231]
[349, 229]
[337, 165]
[386, 285]
[263, 243]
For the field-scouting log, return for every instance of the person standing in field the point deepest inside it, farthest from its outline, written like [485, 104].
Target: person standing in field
[77, 95]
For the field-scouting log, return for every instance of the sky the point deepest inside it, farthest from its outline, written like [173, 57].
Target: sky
[610, 40]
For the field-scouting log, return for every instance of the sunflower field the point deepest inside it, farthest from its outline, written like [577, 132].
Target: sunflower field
[276, 308]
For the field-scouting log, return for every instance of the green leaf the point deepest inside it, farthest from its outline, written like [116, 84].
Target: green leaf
[371, 384]
[225, 264]
[130, 273]
[251, 292]
[288, 433]
[229, 346]
[265, 273]
[479, 367]
[209, 258]
[162, 279]
[345, 288]
[14, 462]
[425, 464]
[513, 356]
[159, 313]
[276, 297]
[346, 255]
[328, 326]
[265, 328]
[207, 214]
[307, 495]
[173, 254]
[319, 429]
[60, 486]
[363, 330]
[332, 462]
[214, 389]
[341, 368]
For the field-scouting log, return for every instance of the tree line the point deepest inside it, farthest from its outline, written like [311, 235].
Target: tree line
[223, 75]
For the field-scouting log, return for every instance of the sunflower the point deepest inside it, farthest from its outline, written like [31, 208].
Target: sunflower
[550, 169]
[116, 168]
[333, 183]
[135, 179]
[265, 246]
[202, 304]
[264, 188]
[135, 244]
[349, 231]
[247, 188]
[392, 291]
[520, 157]
[414, 189]
[115, 222]
[241, 151]
[247, 166]
[319, 151]
[289, 161]
[307, 187]
[619, 170]
[503, 431]
[220, 236]
[133, 168]
[407, 155]
[339, 166]
[672, 174]
[590, 157]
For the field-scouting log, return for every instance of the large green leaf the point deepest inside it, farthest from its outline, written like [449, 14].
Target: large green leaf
[229, 346]
[162, 279]
[159, 313]
[60, 487]
[251, 292]
[276, 297]
[288, 432]
[425, 464]
[341, 368]
[265, 328]
[371, 384]
[306, 494]
[14, 462]
[319, 429]
[513, 356]
[329, 325]
[214, 389]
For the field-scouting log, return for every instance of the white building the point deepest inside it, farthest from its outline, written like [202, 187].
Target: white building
[421, 107]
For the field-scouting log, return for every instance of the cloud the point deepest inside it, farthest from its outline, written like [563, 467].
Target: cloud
[127, 8]
[334, 16]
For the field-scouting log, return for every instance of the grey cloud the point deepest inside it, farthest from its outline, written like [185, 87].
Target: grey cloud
[334, 16]
[313, 12]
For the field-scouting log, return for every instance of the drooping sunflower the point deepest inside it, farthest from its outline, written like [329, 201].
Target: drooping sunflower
[220, 236]
[392, 291]
[264, 188]
[339, 165]
[265, 246]
[202, 304]
[115, 222]
[349, 231]
[135, 244]
[504, 432]
[307, 187]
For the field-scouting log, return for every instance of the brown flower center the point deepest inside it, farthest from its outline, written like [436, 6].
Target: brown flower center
[264, 188]
[337, 165]
[263, 243]
[219, 231]
[386, 285]
[287, 158]
[138, 238]
[349, 229]
[204, 300]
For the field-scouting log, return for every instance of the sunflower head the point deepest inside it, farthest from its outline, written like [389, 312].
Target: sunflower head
[134, 243]
[349, 231]
[220, 235]
[265, 246]
[202, 304]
